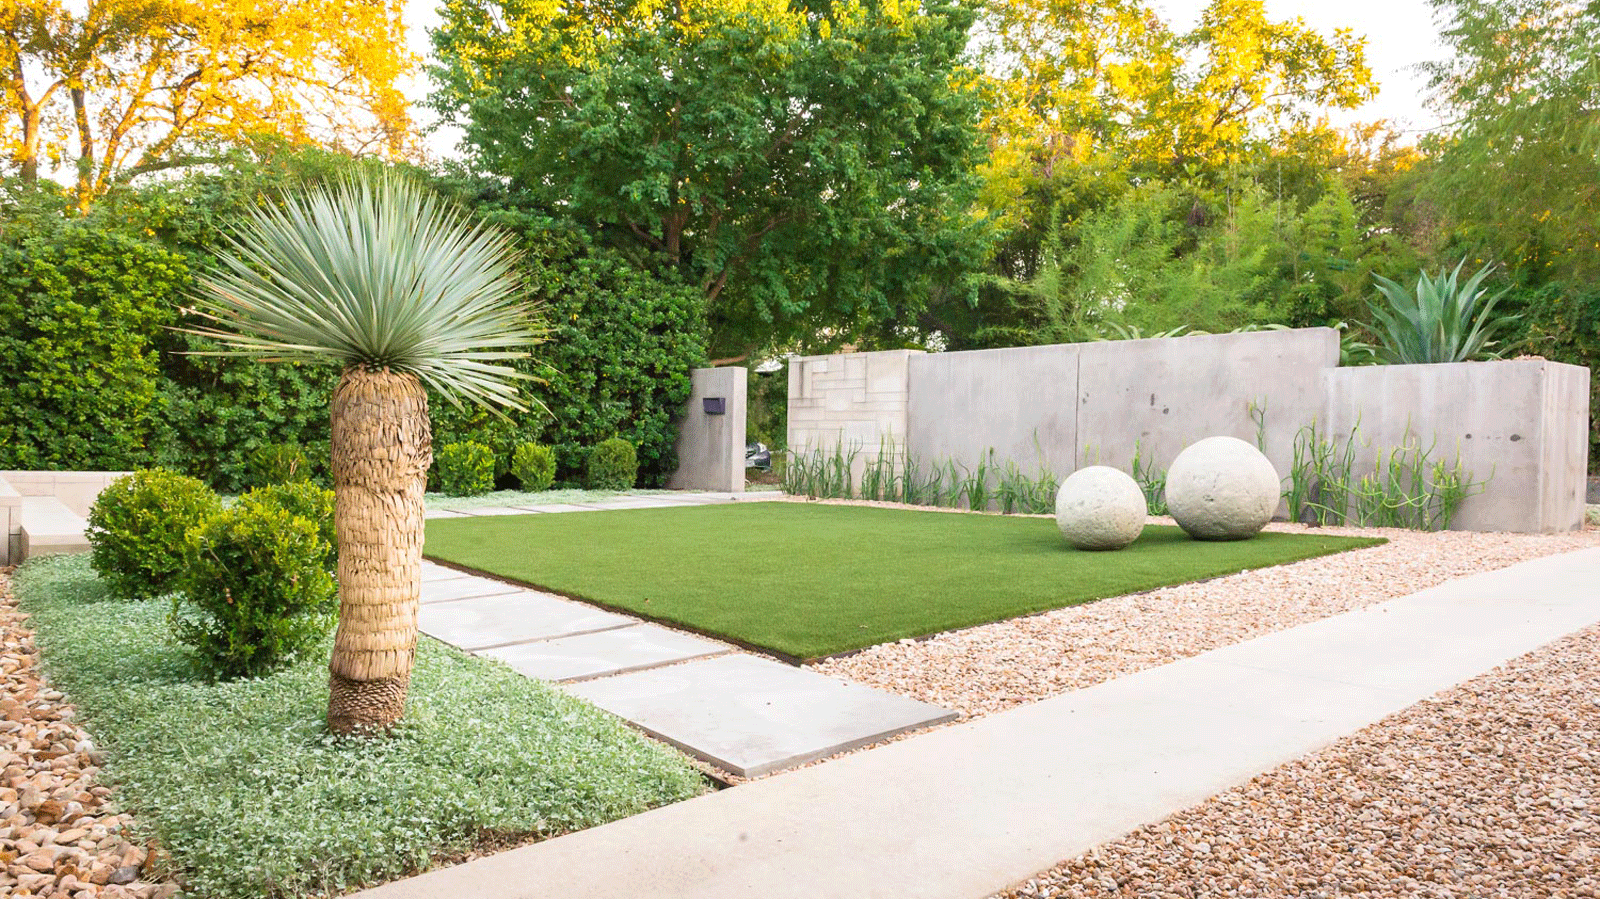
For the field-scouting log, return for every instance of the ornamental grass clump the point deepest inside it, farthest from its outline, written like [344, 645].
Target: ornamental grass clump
[403, 293]
[138, 530]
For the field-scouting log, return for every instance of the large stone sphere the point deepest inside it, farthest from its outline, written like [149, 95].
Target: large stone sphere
[1222, 488]
[1100, 508]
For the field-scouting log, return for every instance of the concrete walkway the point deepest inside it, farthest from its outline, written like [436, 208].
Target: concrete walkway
[964, 811]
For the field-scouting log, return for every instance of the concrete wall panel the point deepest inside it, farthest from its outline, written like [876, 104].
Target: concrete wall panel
[711, 447]
[1022, 402]
[1523, 425]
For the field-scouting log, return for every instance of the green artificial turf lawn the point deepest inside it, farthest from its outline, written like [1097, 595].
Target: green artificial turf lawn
[806, 581]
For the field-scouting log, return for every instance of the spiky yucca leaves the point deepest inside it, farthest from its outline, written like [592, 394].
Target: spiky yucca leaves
[401, 291]
[1444, 320]
[376, 272]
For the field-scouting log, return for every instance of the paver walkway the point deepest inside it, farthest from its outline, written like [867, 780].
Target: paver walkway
[964, 811]
[747, 714]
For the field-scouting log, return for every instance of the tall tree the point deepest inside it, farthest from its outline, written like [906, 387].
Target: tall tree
[117, 88]
[401, 292]
[808, 165]
[1520, 173]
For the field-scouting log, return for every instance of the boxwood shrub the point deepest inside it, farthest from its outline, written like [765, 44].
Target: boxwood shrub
[534, 465]
[613, 465]
[256, 591]
[139, 526]
[465, 469]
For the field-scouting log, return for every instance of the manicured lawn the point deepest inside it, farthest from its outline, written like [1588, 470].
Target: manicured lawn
[242, 784]
[810, 580]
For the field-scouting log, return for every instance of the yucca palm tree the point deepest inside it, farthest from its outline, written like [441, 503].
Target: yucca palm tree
[380, 277]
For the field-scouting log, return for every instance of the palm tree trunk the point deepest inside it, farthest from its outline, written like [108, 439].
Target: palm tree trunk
[381, 450]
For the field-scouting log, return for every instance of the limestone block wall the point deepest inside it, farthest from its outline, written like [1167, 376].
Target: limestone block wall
[76, 490]
[1523, 425]
[711, 447]
[849, 400]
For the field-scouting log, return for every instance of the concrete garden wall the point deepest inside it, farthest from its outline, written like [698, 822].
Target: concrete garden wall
[1522, 426]
[711, 446]
[1070, 405]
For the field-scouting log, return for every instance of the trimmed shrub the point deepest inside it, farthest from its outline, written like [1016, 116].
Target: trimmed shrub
[279, 463]
[613, 465]
[303, 500]
[465, 469]
[256, 590]
[139, 526]
[534, 466]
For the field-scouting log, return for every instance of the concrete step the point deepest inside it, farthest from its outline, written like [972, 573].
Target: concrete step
[49, 527]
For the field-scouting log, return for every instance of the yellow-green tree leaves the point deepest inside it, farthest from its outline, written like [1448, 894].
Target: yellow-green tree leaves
[112, 89]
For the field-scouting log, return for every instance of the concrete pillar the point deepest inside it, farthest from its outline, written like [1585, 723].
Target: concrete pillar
[711, 432]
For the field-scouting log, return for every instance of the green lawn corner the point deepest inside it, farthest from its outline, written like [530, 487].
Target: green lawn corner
[812, 580]
[241, 783]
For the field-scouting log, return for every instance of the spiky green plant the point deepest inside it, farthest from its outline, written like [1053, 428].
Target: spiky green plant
[400, 290]
[1443, 319]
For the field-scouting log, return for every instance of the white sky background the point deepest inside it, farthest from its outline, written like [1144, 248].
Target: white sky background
[1400, 34]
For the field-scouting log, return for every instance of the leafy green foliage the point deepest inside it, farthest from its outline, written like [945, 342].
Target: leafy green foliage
[279, 463]
[240, 781]
[612, 465]
[256, 590]
[375, 271]
[834, 195]
[302, 499]
[534, 466]
[465, 469]
[81, 315]
[1444, 320]
[1563, 323]
[139, 526]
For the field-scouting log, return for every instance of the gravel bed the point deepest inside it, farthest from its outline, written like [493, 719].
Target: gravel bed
[1489, 789]
[993, 667]
[58, 834]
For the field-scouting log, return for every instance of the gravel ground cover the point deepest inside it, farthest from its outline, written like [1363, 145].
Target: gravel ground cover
[247, 795]
[1489, 789]
[59, 833]
[993, 667]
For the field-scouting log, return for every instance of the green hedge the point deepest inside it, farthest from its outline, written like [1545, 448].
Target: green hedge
[93, 377]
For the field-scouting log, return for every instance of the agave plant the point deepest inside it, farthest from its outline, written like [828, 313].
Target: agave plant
[398, 289]
[1444, 319]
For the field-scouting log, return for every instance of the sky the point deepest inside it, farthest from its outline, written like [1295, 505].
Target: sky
[1400, 34]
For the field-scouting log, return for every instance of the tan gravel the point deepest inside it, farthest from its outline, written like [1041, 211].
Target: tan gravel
[1490, 789]
[58, 834]
[996, 666]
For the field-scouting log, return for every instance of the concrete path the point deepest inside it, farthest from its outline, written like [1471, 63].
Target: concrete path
[747, 714]
[964, 811]
[623, 501]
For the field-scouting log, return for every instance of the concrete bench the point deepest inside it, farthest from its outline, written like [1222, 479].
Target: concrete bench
[50, 527]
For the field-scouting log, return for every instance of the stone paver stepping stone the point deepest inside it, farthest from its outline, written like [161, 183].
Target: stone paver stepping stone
[482, 511]
[442, 513]
[448, 589]
[605, 652]
[753, 716]
[557, 507]
[486, 621]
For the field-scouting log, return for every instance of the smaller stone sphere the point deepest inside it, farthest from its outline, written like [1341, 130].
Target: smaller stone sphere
[1100, 508]
[1222, 488]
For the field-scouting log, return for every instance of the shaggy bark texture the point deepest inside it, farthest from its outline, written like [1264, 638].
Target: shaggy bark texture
[381, 450]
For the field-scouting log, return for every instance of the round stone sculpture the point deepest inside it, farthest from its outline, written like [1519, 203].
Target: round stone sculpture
[1222, 488]
[1100, 508]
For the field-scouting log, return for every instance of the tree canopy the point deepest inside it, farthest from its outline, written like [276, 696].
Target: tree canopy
[117, 88]
[810, 166]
